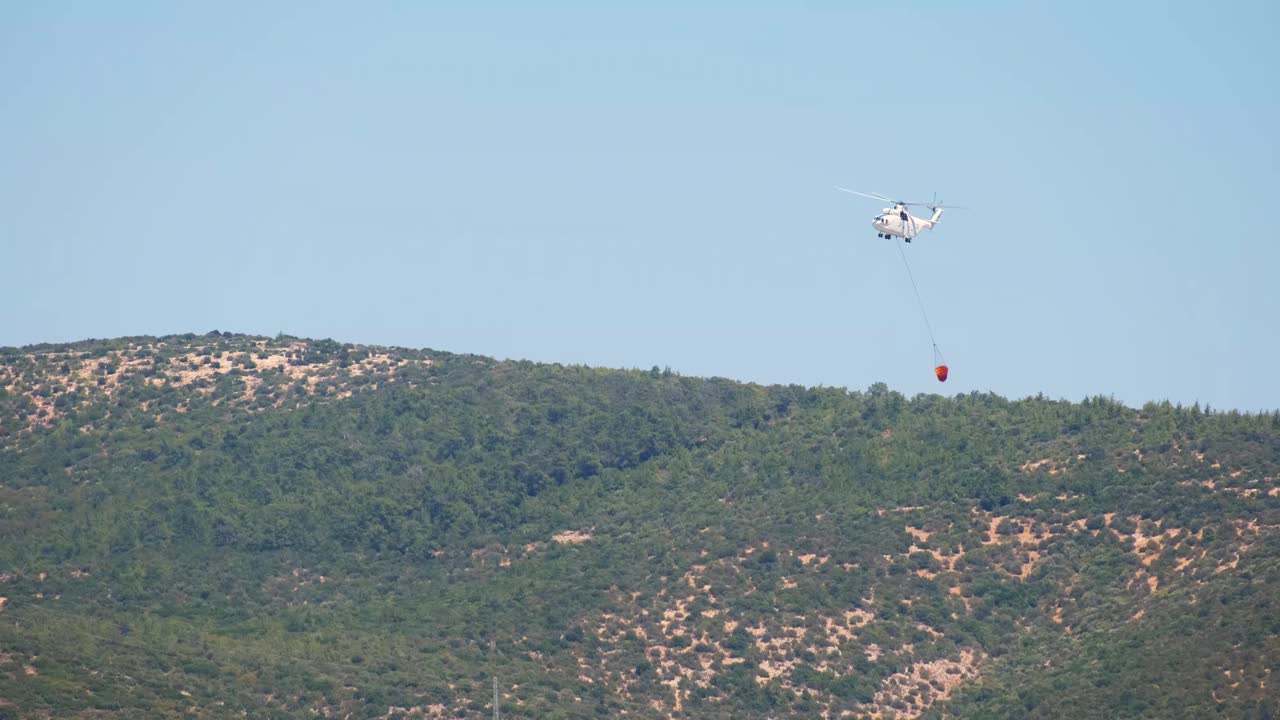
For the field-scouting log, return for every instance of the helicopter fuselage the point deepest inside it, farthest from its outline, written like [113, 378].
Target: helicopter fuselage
[897, 222]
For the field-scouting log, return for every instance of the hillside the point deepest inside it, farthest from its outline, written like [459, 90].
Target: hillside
[224, 526]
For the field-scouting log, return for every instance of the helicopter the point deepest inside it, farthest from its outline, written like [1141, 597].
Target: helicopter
[896, 221]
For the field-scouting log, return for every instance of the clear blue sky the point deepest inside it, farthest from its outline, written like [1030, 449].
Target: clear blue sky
[652, 185]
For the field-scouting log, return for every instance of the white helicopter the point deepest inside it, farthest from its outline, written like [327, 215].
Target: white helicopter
[896, 221]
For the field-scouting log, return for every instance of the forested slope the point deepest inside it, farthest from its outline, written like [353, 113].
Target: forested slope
[220, 525]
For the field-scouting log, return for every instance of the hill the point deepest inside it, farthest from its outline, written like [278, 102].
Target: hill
[225, 525]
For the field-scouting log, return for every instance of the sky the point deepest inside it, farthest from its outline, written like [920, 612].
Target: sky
[640, 184]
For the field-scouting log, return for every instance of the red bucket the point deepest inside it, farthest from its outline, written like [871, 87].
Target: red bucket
[941, 372]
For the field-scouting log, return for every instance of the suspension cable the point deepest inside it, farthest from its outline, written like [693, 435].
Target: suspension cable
[919, 302]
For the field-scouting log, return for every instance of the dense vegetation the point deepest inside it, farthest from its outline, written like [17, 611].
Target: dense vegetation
[218, 525]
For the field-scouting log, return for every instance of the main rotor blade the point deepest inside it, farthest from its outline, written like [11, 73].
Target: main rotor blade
[873, 196]
[935, 207]
[878, 196]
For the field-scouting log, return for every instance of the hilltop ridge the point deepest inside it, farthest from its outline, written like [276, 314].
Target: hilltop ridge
[50, 381]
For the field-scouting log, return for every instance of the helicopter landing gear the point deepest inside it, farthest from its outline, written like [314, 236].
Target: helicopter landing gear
[908, 239]
[879, 235]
